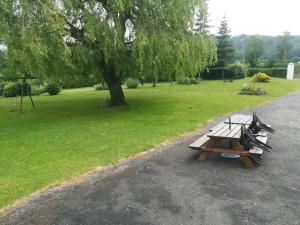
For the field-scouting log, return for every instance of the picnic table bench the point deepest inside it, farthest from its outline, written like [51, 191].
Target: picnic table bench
[229, 131]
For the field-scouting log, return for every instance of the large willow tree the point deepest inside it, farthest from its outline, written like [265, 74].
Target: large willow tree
[109, 38]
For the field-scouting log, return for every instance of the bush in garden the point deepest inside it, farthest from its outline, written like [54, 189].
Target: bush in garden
[251, 90]
[236, 71]
[261, 77]
[13, 89]
[52, 89]
[132, 83]
[36, 90]
[188, 81]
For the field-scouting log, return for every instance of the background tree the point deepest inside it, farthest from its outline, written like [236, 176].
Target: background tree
[201, 26]
[284, 47]
[225, 50]
[254, 49]
[108, 38]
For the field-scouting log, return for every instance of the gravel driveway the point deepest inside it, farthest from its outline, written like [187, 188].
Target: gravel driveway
[170, 186]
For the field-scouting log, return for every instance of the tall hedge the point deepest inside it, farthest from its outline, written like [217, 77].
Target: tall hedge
[231, 72]
[216, 73]
[273, 72]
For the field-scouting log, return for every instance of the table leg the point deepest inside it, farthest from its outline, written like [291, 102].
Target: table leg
[245, 159]
[204, 153]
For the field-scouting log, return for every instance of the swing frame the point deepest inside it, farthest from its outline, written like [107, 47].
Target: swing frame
[24, 83]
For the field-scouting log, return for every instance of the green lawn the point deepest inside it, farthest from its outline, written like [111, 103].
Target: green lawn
[69, 134]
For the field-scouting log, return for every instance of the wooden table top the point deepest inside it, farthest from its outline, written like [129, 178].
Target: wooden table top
[224, 130]
[240, 119]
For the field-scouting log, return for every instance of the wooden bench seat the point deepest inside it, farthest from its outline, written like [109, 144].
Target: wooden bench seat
[256, 150]
[200, 142]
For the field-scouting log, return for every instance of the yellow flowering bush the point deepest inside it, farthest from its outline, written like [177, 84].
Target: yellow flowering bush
[261, 77]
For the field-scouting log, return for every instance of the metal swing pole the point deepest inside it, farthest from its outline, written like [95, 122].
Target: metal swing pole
[28, 92]
[22, 90]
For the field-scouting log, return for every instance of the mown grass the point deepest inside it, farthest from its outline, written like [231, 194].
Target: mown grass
[69, 134]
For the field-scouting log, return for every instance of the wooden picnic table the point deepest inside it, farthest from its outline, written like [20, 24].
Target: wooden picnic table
[231, 133]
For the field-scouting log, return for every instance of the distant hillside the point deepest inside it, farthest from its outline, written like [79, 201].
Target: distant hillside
[270, 47]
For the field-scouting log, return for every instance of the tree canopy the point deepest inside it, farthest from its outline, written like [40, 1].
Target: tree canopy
[284, 47]
[108, 38]
[270, 48]
[254, 49]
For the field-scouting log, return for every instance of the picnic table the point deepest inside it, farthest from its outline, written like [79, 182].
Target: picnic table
[229, 131]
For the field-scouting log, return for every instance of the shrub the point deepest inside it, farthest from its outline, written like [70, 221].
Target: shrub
[251, 90]
[52, 88]
[102, 86]
[188, 81]
[237, 71]
[13, 89]
[76, 81]
[36, 90]
[261, 77]
[10, 89]
[132, 83]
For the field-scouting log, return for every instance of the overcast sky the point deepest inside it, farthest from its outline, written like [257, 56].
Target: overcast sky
[267, 17]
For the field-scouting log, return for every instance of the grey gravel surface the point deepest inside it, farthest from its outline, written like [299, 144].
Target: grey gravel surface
[170, 186]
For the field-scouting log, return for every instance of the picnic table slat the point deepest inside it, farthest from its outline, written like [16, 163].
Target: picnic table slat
[240, 119]
[246, 119]
[217, 126]
[234, 133]
[222, 125]
[243, 120]
[234, 129]
[235, 118]
[223, 130]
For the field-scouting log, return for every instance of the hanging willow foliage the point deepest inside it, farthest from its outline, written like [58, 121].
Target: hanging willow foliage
[108, 38]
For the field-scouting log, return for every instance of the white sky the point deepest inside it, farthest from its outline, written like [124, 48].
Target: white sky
[266, 17]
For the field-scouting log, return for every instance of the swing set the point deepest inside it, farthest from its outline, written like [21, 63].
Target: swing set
[23, 91]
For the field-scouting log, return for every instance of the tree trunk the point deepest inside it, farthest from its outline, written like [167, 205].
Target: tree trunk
[114, 84]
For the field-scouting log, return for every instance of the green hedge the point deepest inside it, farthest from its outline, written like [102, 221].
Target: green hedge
[232, 72]
[273, 72]
[216, 73]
